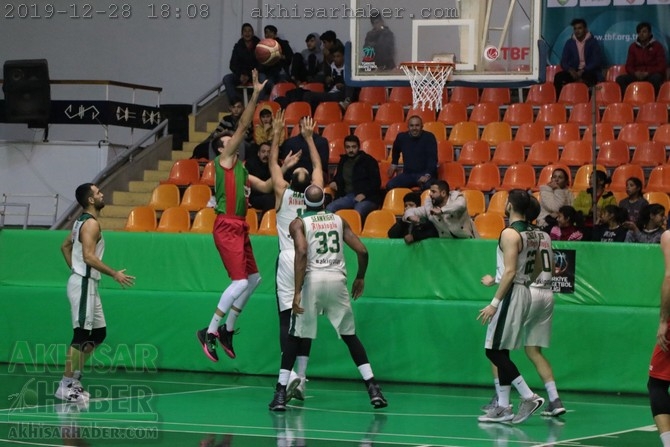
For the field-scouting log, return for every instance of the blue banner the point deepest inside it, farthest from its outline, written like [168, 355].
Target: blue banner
[612, 22]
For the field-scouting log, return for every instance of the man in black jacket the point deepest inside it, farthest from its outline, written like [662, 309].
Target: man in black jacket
[357, 182]
[242, 61]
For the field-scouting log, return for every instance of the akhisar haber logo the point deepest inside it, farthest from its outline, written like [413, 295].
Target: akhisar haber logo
[491, 53]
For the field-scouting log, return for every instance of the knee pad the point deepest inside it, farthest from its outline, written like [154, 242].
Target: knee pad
[79, 338]
[658, 396]
[253, 281]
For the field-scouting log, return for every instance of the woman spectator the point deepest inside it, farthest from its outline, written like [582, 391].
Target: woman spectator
[584, 201]
[553, 196]
[634, 202]
[649, 225]
[611, 227]
[568, 222]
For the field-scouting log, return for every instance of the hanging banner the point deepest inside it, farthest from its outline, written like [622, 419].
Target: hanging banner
[612, 22]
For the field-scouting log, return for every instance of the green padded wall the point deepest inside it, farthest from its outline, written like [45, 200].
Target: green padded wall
[417, 317]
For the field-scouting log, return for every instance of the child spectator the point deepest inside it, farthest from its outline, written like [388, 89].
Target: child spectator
[649, 225]
[568, 222]
[634, 202]
[263, 130]
[611, 227]
[400, 228]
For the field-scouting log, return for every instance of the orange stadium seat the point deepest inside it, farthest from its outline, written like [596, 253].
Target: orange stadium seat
[613, 153]
[372, 95]
[634, 133]
[465, 95]
[497, 203]
[484, 177]
[196, 197]
[141, 218]
[581, 180]
[543, 153]
[618, 114]
[574, 93]
[495, 95]
[378, 223]
[520, 175]
[281, 89]
[327, 112]
[623, 173]
[550, 72]
[426, 114]
[661, 198]
[452, 113]
[484, 113]
[333, 131]
[368, 131]
[164, 196]
[203, 222]
[496, 132]
[604, 132]
[547, 171]
[530, 133]
[659, 179]
[474, 152]
[393, 130]
[562, 133]
[445, 151]
[649, 154]
[576, 153]
[664, 93]
[614, 71]
[662, 134]
[652, 113]
[208, 174]
[540, 94]
[519, 113]
[376, 148]
[295, 111]
[184, 172]
[393, 201]
[582, 114]
[476, 201]
[489, 225]
[389, 113]
[176, 219]
[357, 113]
[550, 114]
[508, 153]
[607, 92]
[463, 132]
[436, 128]
[453, 173]
[353, 218]
[401, 94]
[268, 225]
[638, 93]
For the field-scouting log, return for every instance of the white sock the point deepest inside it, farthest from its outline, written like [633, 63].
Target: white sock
[232, 318]
[522, 387]
[665, 439]
[552, 392]
[503, 395]
[496, 383]
[284, 374]
[301, 365]
[252, 282]
[366, 371]
[214, 324]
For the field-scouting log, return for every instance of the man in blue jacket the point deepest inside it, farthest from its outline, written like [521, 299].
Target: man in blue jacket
[582, 59]
[419, 154]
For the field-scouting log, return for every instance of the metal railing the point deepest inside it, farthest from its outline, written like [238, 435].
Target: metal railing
[207, 95]
[26, 207]
[122, 159]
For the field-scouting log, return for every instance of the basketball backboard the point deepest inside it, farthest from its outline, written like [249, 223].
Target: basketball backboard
[494, 41]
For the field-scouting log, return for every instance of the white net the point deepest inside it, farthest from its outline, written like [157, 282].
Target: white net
[427, 80]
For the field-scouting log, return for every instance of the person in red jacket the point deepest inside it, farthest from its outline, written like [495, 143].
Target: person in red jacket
[645, 60]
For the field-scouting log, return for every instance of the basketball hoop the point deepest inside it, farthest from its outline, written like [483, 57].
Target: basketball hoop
[427, 79]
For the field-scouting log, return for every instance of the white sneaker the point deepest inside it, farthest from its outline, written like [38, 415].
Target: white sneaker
[527, 408]
[497, 414]
[73, 393]
[293, 383]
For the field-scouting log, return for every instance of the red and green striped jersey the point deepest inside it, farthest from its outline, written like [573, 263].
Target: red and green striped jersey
[231, 189]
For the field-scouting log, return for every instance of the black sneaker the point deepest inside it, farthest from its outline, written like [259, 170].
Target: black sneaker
[226, 340]
[208, 342]
[376, 397]
[279, 401]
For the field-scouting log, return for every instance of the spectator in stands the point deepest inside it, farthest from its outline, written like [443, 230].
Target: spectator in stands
[645, 60]
[257, 165]
[307, 66]
[335, 89]
[649, 226]
[635, 201]
[297, 144]
[419, 153]
[446, 210]
[357, 182]
[379, 45]
[242, 61]
[582, 59]
[229, 124]
[263, 130]
[568, 223]
[611, 228]
[553, 196]
[329, 40]
[207, 149]
[584, 201]
[401, 228]
[281, 71]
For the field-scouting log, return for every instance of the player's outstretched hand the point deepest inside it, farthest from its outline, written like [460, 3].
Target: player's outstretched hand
[308, 125]
[278, 122]
[292, 159]
[123, 279]
[258, 86]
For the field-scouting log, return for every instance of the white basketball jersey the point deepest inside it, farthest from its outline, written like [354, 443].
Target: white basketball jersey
[325, 242]
[543, 280]
[292, 205]
[78, 265]
[525, 263]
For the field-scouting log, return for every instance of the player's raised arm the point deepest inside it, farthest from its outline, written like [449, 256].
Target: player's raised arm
[276, 174]
[307, 131]
[230, 148]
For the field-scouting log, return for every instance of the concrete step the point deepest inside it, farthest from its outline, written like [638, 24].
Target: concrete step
[223, 114]
[112, 223]
[165, 165]
[198, 135]
[211, 126]
[188, 146]
[119, 211]
[130, 198]
[181, 155]
[141, 186]
[155, 176]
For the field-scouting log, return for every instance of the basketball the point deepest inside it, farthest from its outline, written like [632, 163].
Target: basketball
[268, 52]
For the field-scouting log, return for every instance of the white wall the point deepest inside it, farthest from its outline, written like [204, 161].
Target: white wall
[33, 172]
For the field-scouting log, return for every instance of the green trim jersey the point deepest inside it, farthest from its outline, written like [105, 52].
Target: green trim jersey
[78, 265]
[292, 205]
[543, 280]
[231, 189]
[525, 263]
[324, 232]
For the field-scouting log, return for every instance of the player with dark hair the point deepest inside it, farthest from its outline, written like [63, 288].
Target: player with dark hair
[290, 203]
[83, 249]
[518, 263]
[321, 288]
[231, 233]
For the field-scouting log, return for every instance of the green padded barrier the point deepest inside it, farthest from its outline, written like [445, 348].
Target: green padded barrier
[416, 318]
